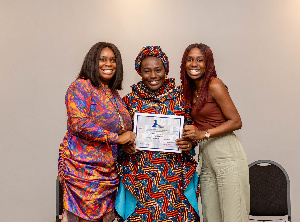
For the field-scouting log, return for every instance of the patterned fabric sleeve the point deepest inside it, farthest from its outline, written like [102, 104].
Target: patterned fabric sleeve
[128, 103]
[79, 120]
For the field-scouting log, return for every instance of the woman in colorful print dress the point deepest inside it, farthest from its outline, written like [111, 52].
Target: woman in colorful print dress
[156, 186]
[224, 174]
[97, 122]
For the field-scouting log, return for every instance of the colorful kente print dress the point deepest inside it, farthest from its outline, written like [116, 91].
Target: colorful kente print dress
[88, 153]
[157, 180]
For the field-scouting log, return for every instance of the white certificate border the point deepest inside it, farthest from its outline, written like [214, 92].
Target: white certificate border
[181, 119]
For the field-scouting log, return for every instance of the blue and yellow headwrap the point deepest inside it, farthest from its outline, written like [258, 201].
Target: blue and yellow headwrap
[151, 51]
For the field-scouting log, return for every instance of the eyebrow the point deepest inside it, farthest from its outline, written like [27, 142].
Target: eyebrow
[108, 57]
[197, 56]
[156, 67]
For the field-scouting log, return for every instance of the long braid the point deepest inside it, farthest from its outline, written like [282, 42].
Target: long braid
[116, 81]
[188, 83]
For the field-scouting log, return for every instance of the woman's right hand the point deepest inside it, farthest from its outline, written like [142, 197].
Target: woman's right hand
[192, 132]
[127, 137]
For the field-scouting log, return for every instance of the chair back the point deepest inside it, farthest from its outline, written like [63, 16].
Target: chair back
[269, 189]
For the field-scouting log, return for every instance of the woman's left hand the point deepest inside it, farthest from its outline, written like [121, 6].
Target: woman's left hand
[185, 144]
[129, 148]
[127, 137]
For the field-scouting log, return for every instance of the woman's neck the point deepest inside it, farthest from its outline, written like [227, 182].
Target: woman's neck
[103, 85]
[198, 84]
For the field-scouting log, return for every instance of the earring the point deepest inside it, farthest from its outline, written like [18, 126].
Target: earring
[166, 76]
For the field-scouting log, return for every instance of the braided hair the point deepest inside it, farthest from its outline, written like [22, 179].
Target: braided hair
[188, 83]
[90, 66]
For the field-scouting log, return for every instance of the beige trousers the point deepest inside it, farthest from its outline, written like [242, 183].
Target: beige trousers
[224, 180]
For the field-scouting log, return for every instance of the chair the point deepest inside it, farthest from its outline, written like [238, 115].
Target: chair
[269, 192]
[59, 200]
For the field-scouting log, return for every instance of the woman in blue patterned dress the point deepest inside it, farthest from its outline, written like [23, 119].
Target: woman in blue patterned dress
[155, 185]
[97, 121]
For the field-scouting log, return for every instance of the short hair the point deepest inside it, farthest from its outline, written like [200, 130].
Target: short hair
[188, 83]
[90, 66]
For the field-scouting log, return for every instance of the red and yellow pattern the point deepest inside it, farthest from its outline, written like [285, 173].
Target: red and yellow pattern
[158, 179]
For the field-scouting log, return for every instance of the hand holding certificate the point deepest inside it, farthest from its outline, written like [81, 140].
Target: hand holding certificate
[157, 132]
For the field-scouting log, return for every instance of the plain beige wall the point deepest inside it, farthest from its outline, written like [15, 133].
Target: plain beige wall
[43, 43]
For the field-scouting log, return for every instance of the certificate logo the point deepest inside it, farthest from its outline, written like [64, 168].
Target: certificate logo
[156, 124]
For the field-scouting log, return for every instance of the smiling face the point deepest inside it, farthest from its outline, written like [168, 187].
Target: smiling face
[195, 64]
[107, 65]
[152, 72]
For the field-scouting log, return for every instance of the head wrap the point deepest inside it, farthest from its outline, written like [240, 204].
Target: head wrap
[151, 51]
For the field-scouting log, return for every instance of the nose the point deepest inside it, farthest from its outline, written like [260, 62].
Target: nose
[153, 74]
[194, 63]
[108, 62]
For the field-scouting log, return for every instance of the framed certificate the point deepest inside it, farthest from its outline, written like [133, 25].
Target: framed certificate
[157, 132]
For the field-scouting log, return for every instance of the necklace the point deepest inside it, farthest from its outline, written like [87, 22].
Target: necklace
[197, 93]
[114, 102]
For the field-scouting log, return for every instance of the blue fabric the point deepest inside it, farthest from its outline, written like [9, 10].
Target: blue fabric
[126, 202]
[190, 192]
[192, 151]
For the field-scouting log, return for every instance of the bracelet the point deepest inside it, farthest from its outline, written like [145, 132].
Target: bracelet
[207, 135]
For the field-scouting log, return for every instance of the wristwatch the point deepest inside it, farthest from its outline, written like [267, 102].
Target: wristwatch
[207, 135]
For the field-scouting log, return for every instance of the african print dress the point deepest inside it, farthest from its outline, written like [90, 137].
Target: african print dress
[156, 180]
[88, 153]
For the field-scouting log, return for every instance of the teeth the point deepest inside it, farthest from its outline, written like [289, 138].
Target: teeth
[154, 82]
[193, 71]
[107, 71]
